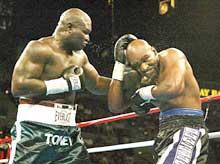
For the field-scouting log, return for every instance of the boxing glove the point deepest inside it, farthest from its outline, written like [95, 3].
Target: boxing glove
[74, 77]
[120, 55]
[72, 80]
[131, 81]
[142, 97]
[121, 46]
[143, 94]
[141, 110]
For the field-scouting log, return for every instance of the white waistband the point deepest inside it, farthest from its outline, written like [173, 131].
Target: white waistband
[47, 115]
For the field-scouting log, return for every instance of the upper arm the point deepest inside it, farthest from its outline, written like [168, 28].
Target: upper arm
[90, 72]
[94, 82]
[30, 65]
[172, 72]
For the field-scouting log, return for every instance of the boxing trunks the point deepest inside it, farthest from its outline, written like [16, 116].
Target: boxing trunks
[182, 137]
[47, 135]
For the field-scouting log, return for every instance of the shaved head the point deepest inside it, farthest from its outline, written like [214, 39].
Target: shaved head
[75, 17]
[136, 49]
[142, 57]
[73, 29]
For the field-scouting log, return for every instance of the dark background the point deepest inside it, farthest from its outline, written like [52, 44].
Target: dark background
[193, 27]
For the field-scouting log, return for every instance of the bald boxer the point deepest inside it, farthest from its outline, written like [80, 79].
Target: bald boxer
[46, 78]
[182, 136]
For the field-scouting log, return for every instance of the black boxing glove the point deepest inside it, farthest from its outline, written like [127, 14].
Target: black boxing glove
[141, 98]
[141, 110]
[72, 80]
[143, 95]
[131, 82]
[120, 55]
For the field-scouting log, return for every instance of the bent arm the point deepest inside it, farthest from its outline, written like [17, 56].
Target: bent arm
[171, 80]
[116, 99]
[28, 69]
[95, 83]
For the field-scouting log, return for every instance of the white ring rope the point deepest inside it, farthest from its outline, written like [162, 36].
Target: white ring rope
[121, 146]
[212, 135]
[3, 160]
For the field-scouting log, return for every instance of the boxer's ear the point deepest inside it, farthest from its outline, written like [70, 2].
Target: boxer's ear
[154, 50]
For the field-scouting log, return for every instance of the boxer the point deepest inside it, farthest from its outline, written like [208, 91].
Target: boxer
[46, 78]
[171, 85]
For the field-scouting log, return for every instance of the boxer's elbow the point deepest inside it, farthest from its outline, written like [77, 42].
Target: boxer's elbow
[116, 101]
[171, 93]
[115, 104]
[14, 92]
[17, 88]
[99, 86]
[177, 89]
[115, 108]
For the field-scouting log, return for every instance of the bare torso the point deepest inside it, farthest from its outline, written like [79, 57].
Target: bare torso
[60, 61]
[52, 67]
[189, 97]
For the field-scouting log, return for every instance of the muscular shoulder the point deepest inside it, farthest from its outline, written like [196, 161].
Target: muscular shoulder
[38, 47]
[37, 50]
[84, 56]
[172, 58]
[171, 54]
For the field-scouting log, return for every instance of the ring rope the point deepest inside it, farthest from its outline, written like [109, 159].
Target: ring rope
[212, 135]
[3, 160]
[149, 143]
[133, 114]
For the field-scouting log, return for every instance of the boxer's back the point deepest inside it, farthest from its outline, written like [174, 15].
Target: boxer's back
[189, 97]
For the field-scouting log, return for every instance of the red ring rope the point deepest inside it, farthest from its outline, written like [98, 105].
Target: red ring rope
[120, 117]
[133, 114]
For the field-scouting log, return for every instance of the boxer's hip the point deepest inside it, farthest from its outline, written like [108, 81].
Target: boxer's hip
[47, 113]
[176, 127]
[181, 117]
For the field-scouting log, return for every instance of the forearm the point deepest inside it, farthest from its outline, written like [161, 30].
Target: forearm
[116, 101]
[100, 87]
[30, 87]
[166, 92]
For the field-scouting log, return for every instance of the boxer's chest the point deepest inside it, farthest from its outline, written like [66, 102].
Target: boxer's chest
[59, 62]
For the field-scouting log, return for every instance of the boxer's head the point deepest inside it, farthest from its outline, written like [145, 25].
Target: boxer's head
[73, 29]
[143, 57]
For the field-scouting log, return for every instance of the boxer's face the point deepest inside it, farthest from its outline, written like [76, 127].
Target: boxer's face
[146, 64]
[76, 37]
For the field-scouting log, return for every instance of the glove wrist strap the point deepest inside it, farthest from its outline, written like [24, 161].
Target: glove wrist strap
[146, 92]
[56, 86]
[118, 71]
[74, 83]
